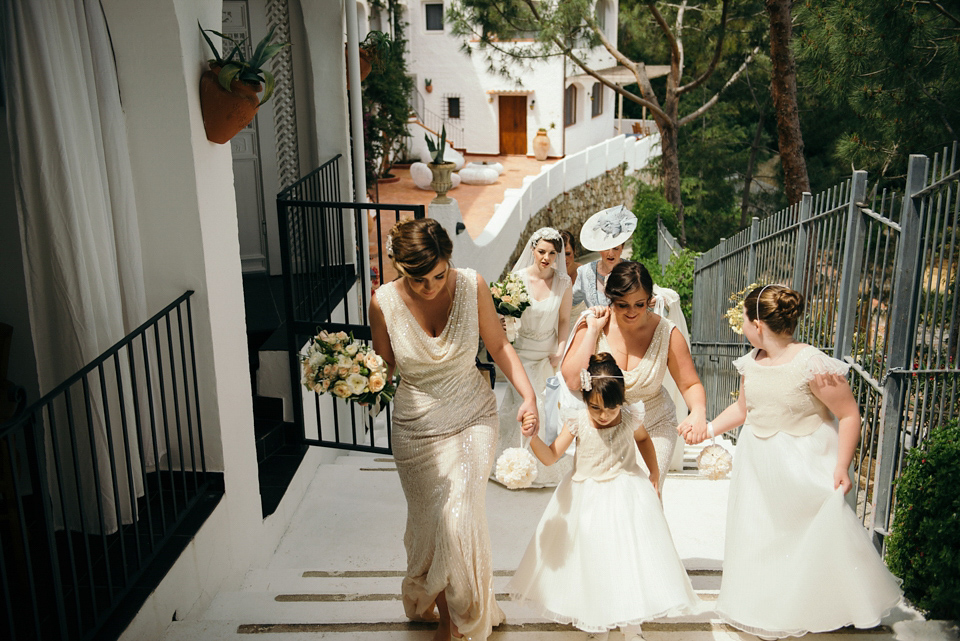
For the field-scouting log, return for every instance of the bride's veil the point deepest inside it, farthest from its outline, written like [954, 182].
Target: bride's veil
[526, 258]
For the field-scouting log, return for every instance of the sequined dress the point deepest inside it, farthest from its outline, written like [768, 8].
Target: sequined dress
[536, 342]
[444, 439]
[645, 383]
[796, 557]
[602, 555]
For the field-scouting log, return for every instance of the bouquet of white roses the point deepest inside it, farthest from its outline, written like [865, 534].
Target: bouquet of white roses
[510, 298]
[349, 369]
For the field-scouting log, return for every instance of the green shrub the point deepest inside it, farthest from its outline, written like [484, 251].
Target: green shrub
[647, 205]
[924, 547]
[677, 275]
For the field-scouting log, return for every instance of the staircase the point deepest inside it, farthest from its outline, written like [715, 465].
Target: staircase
[336, 574]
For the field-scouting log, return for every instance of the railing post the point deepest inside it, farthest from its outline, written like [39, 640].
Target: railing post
[852, 266]
[800, 258]
[752, 252]
[900, 341]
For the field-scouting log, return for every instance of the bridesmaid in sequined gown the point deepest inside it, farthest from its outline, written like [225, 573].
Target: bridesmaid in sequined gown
[646, 346]
[427, 324]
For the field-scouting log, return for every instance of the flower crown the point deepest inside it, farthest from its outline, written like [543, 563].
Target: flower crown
[388, 246]
[586, 379]
[545, 233]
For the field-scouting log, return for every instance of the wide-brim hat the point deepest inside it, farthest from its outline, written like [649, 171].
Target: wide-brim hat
[608, 228]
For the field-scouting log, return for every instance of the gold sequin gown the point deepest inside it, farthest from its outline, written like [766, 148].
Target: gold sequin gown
[645, 383]
[444, 439]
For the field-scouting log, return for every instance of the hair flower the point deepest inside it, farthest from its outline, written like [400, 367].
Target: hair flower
[388, 246]
[586, 384]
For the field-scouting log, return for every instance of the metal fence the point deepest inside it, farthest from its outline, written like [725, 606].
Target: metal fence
[879, 278]
[95, 479]
[327, 281]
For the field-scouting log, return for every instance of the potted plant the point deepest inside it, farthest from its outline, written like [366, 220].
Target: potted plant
[428, 84]
[374, 49]
[441, 170]
[229, 90]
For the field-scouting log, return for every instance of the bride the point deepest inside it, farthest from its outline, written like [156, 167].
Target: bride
[542, 337]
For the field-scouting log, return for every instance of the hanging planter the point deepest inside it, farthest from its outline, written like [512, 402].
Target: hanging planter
[226, 113]
[229, 92]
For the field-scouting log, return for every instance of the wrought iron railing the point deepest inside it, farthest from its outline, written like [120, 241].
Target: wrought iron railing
[95, 479]
[327, 283]
[879, 278]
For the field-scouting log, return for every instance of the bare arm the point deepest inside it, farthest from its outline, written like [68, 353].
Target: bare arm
[495, 339]
[584, 343]
[648, 454]
[381, 338]
[684, 374]
[730, 418]
[834, 392]
[550, 454]
[563, 325]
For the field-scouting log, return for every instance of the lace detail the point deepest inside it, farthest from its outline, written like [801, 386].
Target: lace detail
[822, 365]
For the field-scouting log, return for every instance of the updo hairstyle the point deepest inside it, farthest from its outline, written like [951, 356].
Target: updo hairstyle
[569, 241]
[625, 278]
[418, 245]
[606, 379]
[779, 307]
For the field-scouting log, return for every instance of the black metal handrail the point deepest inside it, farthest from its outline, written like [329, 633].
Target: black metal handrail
[95, 478]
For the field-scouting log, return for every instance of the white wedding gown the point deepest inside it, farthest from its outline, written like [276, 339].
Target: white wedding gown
[536, 341]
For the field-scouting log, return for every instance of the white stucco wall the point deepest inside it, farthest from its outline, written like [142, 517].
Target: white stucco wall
[436, 55]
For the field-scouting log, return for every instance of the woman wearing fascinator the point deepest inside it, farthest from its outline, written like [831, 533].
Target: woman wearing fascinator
[542, 337]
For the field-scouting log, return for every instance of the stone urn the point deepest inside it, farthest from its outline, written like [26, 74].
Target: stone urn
[541, 144]
[441, 182]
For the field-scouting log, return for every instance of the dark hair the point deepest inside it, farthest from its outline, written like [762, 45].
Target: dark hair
[418, 245]
[778, 306]
[569, 240]
[625, 278]
[557, 244]
[610, 385]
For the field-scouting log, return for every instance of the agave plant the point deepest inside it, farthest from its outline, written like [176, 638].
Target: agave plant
[436, 150]
[236, 67]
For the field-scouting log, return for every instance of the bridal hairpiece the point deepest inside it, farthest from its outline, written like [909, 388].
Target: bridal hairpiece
[545, 233]
[586, 380]
[388, 246]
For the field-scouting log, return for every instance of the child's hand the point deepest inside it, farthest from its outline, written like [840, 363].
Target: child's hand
[529, 425]
[842, 477]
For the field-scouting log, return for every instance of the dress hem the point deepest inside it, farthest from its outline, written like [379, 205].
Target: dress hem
[770, 635]
[546, 613]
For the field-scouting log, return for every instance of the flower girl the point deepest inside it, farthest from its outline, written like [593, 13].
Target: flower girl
[797, 558]
[602, 556]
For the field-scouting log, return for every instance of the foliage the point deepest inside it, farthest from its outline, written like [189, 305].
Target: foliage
[882, 76]
[924, 547]
[678, 276]
[236, 67]
[648, 205]
[436, 149]
[386, 100]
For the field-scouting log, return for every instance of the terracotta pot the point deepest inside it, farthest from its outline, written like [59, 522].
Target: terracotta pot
[365, 65]
[429, 88]
[541, 144]
[441, 182]
[225, 113]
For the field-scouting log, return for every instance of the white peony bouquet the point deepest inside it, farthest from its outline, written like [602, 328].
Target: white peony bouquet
[714, 462]
[510, 298]
[336, 362]
[516, 468]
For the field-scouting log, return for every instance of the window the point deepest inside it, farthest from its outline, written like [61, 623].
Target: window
[452, 107]
[434, 14]
[570, 106]
[600, 13]
[596, 96]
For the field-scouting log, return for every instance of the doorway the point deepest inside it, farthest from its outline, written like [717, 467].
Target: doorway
[513, 125]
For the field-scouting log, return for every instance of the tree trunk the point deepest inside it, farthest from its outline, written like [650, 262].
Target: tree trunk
[670, 165]
[784, 89]
[748, 176]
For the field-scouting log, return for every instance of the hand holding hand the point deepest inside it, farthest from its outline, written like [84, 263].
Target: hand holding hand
[529, 418]
[598, 317]
[842, 477]
[693, 430]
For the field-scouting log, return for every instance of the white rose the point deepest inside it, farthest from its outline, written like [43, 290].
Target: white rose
[316, 360]
[342, 336]
[357, 383]
[344, 361]
[354, 369]
[352, 348]
[377, 382]
[372, 361]
[341, 389]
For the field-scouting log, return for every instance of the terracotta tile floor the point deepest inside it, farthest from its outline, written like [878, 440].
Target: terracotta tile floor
[476, 201]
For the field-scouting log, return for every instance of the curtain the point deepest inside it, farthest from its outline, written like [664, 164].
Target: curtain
[81, 243]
